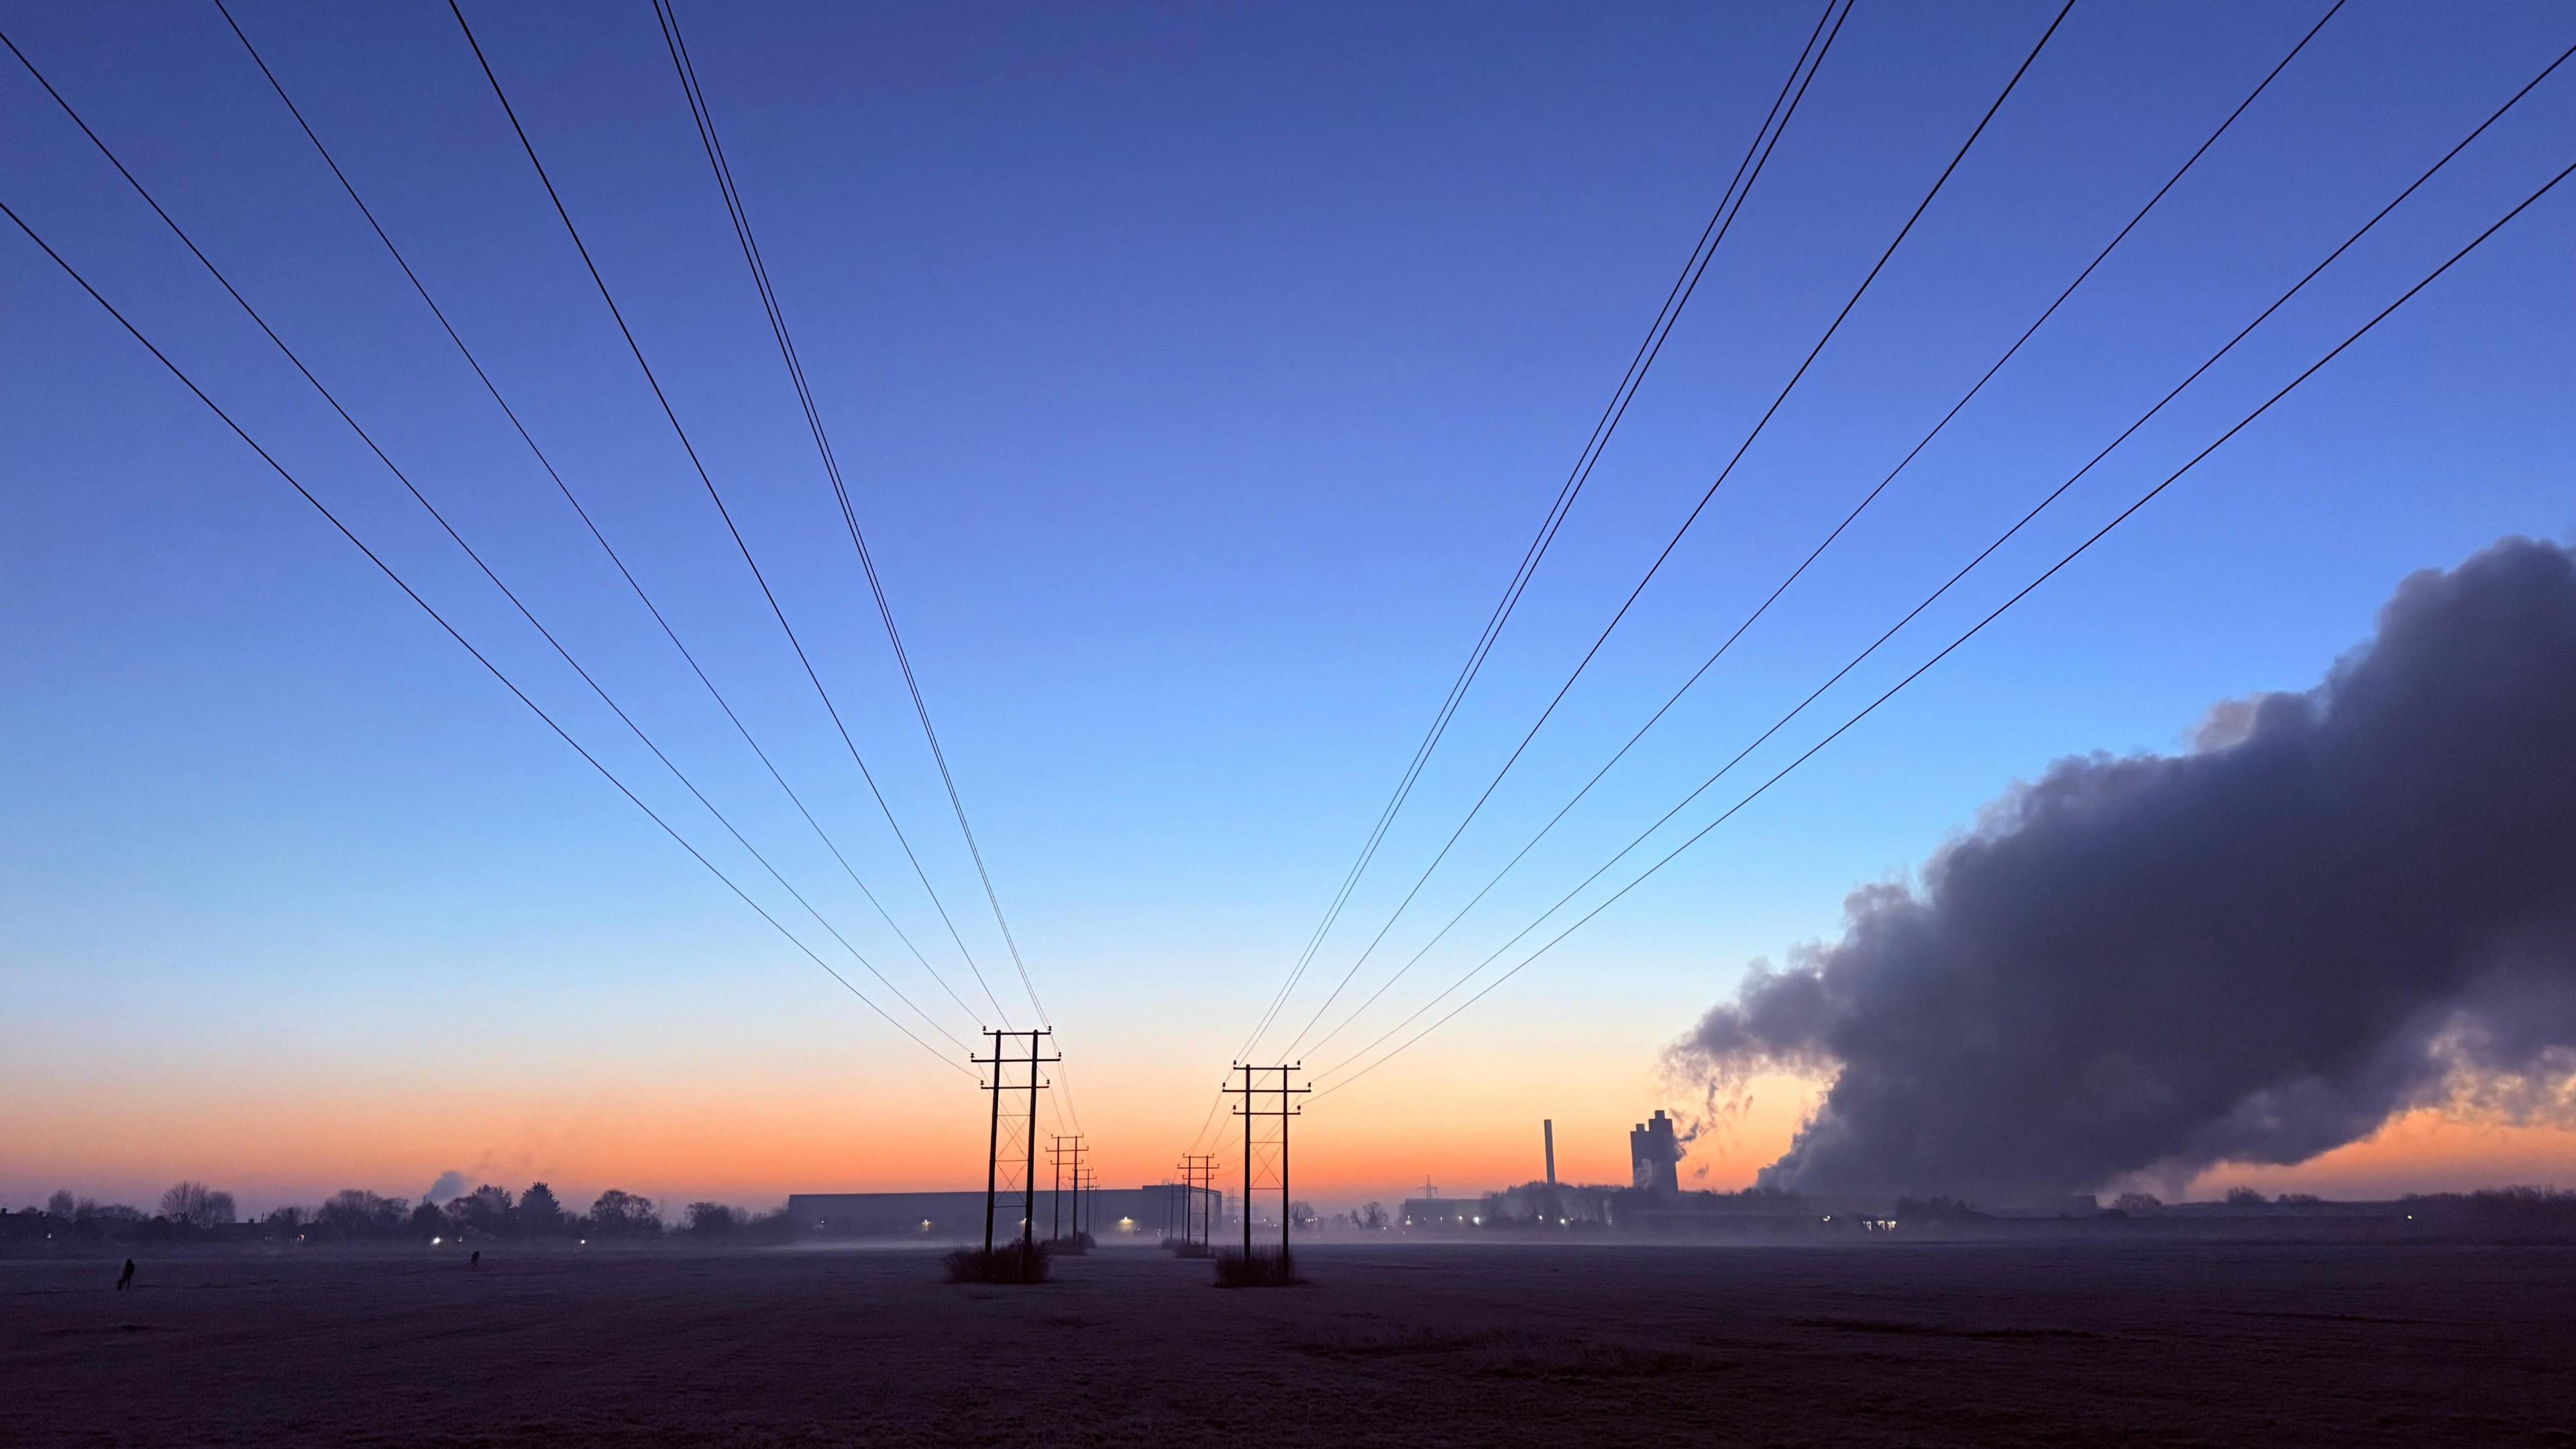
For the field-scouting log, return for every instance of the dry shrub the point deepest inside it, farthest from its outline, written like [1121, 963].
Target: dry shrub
[1259, 1270]
[1012, 1264]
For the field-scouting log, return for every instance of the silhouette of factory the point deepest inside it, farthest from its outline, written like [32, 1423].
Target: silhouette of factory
[1654, 1201]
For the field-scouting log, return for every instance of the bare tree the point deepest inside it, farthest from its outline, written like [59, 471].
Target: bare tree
[197, 1205]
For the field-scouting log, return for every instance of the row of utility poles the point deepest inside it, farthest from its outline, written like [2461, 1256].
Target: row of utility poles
[1067, 1154]
[1262, 1093]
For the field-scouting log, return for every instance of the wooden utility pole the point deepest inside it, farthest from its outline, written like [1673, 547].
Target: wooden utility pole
[1251, 1092]
[999, 1062]
[1029, 1167]
[1198, 1192]
[1055, 1191]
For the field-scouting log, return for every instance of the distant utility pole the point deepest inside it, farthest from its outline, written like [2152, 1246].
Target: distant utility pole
[1055, 1189]
[1001, 1063]
[1252, 1092]
[1198, 1184]
[1066, 1153]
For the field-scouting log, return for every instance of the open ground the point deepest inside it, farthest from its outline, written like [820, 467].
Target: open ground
[1406, 1344]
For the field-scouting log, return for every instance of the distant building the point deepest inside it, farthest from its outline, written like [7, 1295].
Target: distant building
[1655, 1154]
[1548, 1204]
[1441, 1212]
[1143, 1213]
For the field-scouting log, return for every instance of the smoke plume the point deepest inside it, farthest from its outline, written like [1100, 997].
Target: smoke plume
[2340, 905]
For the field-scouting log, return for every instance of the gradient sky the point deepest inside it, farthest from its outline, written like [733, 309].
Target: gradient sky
[1200, 377]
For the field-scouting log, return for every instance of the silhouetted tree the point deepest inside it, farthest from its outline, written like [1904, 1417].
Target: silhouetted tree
[195, 1205]
[357, 1213]
[1373, 1217]
[623, 1214]
[539, 1211]
[428, 1222]
[2244, 1197]
[484, 1212]
[712, 1219]
[2138, 1204]
[62, 1204]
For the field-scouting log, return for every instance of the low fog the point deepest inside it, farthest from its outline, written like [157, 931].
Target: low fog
[2340, 905]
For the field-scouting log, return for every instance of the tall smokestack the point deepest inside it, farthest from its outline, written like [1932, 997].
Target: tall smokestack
[1547, 1131]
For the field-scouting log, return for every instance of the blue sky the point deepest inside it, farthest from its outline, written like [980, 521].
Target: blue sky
[1200, 378]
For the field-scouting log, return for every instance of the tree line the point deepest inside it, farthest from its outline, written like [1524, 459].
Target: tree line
[192, 1210]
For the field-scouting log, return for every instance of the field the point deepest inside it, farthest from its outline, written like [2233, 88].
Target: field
[1402, 1345]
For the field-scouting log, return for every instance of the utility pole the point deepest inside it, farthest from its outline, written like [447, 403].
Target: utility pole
[1198, 1206]
[1071, 1150]
[1029, 1167]
[1251, 1093]
[1055, 1192]
[999, 1061]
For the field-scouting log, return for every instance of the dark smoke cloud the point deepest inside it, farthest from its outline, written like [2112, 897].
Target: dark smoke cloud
[2341, 905]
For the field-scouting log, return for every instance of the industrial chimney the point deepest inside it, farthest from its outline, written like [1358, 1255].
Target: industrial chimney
[1656, 1154]
[1547, 1131]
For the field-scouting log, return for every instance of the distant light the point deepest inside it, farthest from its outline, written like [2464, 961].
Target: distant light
[434, 1242]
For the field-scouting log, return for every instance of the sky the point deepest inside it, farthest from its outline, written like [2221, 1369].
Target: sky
[1199, 377]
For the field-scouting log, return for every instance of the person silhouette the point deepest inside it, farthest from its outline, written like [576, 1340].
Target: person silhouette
[126, 1278]
[476, 1261]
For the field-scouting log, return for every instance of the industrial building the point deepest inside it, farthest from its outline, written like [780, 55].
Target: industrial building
[1655, 1156]
[1143, 1214]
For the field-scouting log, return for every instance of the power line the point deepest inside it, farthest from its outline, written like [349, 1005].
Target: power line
[1848, 519]
[451, 630]
[715, 496]
[450, 530]
[2006, 536]
[1685, 283]
[1730, 204]
[582, 512]
[1946, 650]
[1657, 566]
[704, 116]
